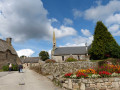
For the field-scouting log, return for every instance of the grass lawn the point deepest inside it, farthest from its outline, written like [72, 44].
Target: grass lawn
[96, 60]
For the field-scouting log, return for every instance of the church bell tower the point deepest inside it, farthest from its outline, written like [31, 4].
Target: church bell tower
[54, 44]
[54, 40]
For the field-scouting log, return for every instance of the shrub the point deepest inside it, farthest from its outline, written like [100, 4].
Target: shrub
[112, 61]
[101, 63]
[50, 61]
[14, 67]
[70, 59]
[6, 67]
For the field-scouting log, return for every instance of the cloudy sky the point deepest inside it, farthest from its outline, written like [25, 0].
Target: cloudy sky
[31, 22]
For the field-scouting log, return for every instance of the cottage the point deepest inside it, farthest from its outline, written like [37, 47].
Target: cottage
[27, 61]
[60, 54]
[8, 53]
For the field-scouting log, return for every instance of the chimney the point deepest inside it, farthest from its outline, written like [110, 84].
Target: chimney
[9, 40]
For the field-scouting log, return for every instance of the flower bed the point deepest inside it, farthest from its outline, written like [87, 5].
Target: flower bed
[107, 70]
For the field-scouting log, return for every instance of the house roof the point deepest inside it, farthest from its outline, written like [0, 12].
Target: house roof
[4, 46]
[70, 50]
[30, 59]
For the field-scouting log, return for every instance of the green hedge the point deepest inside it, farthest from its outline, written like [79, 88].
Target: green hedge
[71, 59]
[14, 67]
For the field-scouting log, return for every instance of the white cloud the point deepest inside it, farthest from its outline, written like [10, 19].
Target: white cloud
[64, 31]
[72, 45]
[86, 32]
[116, 33]
[49, 51]
[67, 21]
[101, 12]
[98, 2]
[77, 13]
[79, 41]
[25, 52]
[27, 21]
[109, 14]
[53, 20]
[114, 28]
[113, 19]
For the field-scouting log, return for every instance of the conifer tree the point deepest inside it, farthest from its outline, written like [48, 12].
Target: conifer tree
[103, 45]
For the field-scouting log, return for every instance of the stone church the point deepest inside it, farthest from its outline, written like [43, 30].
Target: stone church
[8, 53]
[60, 54]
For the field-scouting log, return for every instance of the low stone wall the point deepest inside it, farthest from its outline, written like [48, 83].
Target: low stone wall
[62, 68]
[89, 84]
[55, 70]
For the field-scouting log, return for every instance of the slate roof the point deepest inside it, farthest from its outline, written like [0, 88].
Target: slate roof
[70, 50]
[30, 60]
[4, 46]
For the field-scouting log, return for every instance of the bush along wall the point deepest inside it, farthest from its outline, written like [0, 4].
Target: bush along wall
[14, 67]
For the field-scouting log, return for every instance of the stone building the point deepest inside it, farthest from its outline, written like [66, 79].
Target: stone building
[8, 53]
[27, 61]
[60, 54]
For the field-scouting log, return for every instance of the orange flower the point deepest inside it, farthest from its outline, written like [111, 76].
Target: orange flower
[91, 71]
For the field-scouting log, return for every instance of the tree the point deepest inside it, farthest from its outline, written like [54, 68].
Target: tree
[103, 45]
[23, 56]
[44, 55]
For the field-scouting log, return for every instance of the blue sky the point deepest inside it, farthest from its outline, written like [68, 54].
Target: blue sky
[31, 22]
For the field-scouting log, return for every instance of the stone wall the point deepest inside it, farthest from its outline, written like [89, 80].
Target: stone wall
[62, 68]
[112, 83]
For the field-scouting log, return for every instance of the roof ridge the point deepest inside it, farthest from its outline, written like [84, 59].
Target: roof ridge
[71, 46]
[5, 46]
[3, 40]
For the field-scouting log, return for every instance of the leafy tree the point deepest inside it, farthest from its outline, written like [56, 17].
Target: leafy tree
[103, 45]
[44, 55]
[23, 56]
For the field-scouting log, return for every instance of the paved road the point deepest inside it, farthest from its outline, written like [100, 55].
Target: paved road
[5, 73]
[29, 80]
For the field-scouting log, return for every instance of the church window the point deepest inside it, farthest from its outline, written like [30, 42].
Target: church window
[63, 58]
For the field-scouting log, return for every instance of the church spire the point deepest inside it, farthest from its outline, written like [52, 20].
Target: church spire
[54, 40]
